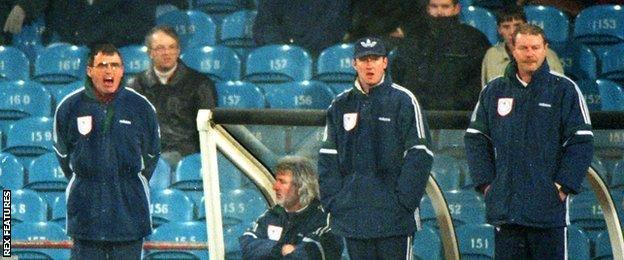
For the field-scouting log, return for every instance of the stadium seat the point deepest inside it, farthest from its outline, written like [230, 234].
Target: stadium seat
[194, 28]
[586, 213]
[427, 244]
[179, 232]
[611, 95]
[164, 8]
[220, 63]
[236, 30]
[215, 6]
[617, 176]
[161, 179]
[62, 90]
[136, 60]
[20, 99]
[466, 207]
[578, 244]
[29, 39]
[11, 172]
[603, 247]
[335, 64]
[61, 63]
[242, 206]
[28, 206]
[14, 64]
[30, 137]
[427, 213]
[239, 94]
[46, 176]
[278, 63]
[340, 87]
[555, 23]
[446, 172]
[299, 95]
[578, 60]
[170, 205]
[600, 24]
[230, 237]
[591, 93]
[612, 63]
[475, 241]
[59, 211]
[482, 19]
[48, 231]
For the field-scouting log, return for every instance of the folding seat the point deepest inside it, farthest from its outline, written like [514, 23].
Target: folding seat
[598, 165]
[603, 247]
[20, 99]
[578, 244]
[28, 206]
[239, 94]
[59, 211]
[611, 95]
[46, 231]
[194, 28]
[446, 172]
[164, 8]
[14, 64]
[161, 178]
[578, 60]
[216, 6]
[60, 91]
[299, 95]
[427, 244]
[28, 40]
[278, 63]
[591, 93]
[476, 241]
[612, 63]
[170, 205]
[482, 19]
[61, 63]
[241, 206]
[136, 60]
[46, 176]
[179, 232]
[466, 207]
[236, 31]
[427, 213]
[220, 63]
[600, 25]
[30, 137]
[230, 238]
[617, 176]
[335, 64]
[448, 140]
[555, 23]
[586, 213]
[340, 87]
[11, 172]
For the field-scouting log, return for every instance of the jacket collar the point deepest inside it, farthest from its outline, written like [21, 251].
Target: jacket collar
[541, 73]
[381, 85]
[90, 90]
[178, 75]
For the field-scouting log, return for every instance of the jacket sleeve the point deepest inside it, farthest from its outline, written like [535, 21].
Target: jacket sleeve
[417, 158]
[330, 178]
[62, 147]
[150, 150]
[577, 143]
[320, 244]
[255, 244]
[479, 148]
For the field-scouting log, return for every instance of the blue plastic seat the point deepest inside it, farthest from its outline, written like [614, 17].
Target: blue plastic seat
[241, 206]
[194, 28]
[47, 231]
[236, 29]
[600, 24]
[555, 23]
[216, 6]
[427, 213]
[220, 63]
[578, 244]
[46, 176]
[161, 178]
[578, 60]
[20, 99]
[612, 63]
[299, 95]
[586, 213]
[61, 63]
[59, 211]
[427, 244]
[170, 205]
[62, 90]
[446, 172]
[603, 247]
[482, 19]
[617, 176]
[340, 87]
[30, 137]
[179, 232]
[239, 94]
[591, 93]
[28, 206]
[28, 40]
[14, 64]
[611, 95]
[11, 172]
[335, 64]
[466, 207]
[230, 238]
[136, 60]
[278, 63]
[476, 241]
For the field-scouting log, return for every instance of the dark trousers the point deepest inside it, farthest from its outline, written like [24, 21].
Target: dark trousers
[105, 250]
[398, 247]
[521, 242]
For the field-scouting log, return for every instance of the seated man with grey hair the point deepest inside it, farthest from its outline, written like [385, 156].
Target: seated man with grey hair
[297, 227]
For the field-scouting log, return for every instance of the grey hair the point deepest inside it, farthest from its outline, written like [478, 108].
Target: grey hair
[304, 177]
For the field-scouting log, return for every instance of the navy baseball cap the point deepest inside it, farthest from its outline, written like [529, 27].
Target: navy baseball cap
[369, 46]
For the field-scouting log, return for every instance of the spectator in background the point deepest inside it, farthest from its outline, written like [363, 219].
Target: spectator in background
[86, 22]
[441, 67]
[374, 161]
[529, 145]
[107, 142]
[498, 56]
[311, 24]
[297, 227]
[176, 91]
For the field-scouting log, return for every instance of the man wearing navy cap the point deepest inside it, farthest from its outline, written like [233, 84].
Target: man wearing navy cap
[374, 161]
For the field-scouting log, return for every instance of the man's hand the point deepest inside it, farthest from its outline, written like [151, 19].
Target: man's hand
[15, 20]
[485, 191]
[562, 195]
[287, 249]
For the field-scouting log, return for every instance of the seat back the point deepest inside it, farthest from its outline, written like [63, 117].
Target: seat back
[335, 64]
[59, 211]
[14, 64]
[11, 172]
[161, 179]
[219, 62]
[278, 63]
[236, 29]
[28, 206]
[20, 99]
[170, 205]
[603, 247]
[194, 28]
[446, 172]
[612, 63]
[578, 60]
[239, 94]
[241, 206]
[30, 137]
[46, 176]
[299, 95]
[466, 207]
[47, 231]
[555, 23]
[179, 232]
[135, 58]
[578, 244]
[476, 241]
[600, 24]
[611, 95]
[482, 19]
[591, 93]
[61, 63]
[427, 244]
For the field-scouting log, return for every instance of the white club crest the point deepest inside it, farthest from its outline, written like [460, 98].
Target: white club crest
[85, 124]
[274, 232]
[368, 43]
[349, 120]
[504, 106]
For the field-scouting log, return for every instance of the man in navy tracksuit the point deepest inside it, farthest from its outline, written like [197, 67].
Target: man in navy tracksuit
[374, 162]
[107, 142]
[529, 145]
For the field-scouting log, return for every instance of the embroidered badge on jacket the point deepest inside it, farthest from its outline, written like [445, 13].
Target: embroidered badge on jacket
[504, 106]
[85, 124]
[349, 120]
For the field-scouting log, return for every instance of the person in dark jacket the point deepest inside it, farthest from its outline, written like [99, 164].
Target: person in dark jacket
[297, 227]
[442, 66]
[176, 91]
[107, 142]
[374, 161]
[529, 145]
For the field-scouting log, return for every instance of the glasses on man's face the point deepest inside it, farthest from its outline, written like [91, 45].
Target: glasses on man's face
[105, 65]
[162, 49]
